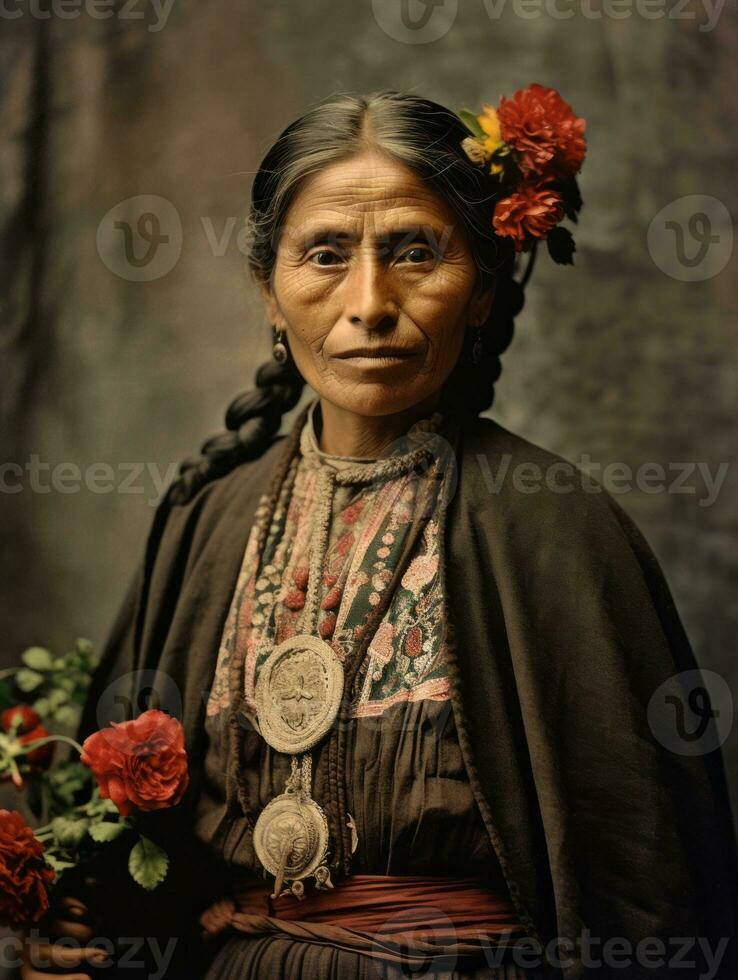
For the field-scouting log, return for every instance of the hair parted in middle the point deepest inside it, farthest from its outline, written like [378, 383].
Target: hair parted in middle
[427, 138]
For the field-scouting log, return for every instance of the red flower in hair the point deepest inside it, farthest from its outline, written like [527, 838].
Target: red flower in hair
[543, 129]
[24, 876]
[532, 210]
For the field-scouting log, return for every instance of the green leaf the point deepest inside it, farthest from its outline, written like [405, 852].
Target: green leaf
[56, 863]
[28, 680]
[37, 658]
[71, 773]
[148, 864]
[105, 831]
[42, 707]
[56, 699]
[471, 122]
[67, 716]
[68, 833]
[561, 245]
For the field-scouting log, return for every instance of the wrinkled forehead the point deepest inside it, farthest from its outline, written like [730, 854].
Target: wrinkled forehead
[367, 196]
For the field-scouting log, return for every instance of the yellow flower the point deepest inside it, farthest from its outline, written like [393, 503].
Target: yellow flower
[491, 127]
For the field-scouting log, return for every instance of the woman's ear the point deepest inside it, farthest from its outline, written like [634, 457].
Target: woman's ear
[481, 305]
[271, 304]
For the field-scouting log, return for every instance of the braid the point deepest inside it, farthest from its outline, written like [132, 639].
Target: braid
[470, 388]
[252, 420]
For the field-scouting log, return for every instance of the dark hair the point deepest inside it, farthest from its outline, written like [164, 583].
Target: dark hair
[426, 137]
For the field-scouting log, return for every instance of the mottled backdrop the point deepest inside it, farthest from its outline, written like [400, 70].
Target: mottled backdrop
[116, 364]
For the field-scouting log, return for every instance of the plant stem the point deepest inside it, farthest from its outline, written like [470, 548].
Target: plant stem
[30, 746]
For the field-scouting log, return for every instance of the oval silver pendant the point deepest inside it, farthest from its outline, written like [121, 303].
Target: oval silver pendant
[298, 693]
[291, 837]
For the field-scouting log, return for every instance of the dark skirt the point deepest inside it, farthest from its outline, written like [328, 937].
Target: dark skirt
[415, 813]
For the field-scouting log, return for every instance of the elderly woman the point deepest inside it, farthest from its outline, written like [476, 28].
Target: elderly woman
[415, 654]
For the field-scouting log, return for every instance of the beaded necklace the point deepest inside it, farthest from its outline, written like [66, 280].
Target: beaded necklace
[303, 689]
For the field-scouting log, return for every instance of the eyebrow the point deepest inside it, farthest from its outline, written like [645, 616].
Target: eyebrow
[425, 231]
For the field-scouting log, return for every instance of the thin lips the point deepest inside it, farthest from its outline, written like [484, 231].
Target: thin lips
[377, 352]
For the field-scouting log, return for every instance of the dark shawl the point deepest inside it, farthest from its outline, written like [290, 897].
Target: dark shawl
[561, 627]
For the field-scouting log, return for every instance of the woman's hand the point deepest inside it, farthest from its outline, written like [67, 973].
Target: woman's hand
[218, 917]
[40, 960]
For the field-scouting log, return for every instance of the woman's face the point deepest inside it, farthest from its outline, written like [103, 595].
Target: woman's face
[374, 285]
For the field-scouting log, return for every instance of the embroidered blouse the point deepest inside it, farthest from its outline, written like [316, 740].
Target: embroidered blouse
[407, 790]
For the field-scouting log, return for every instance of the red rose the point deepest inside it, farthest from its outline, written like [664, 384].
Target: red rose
[139, 764]
[532, 210]
[20, 715]
[542, 127]
[27, 726]
[24, 876]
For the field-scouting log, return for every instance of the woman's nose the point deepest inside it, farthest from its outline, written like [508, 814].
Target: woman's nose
[370, 300]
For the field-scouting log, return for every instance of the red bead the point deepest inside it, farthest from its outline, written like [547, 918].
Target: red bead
[351, 514]
[333, 599]
[327, 626]
[330, 580]
[294, 599]
[300, 578]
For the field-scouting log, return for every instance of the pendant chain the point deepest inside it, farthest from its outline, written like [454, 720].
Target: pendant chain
[324, 492]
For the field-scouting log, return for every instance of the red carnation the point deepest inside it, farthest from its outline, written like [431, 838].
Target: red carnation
[139, 764]
[543, 129]
[26, 724]
[24, 876]
[532, 210]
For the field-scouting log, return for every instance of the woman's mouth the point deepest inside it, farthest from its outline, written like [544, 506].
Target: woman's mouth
[377, 355]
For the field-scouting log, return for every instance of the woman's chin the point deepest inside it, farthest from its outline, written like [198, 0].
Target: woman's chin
[374, 397]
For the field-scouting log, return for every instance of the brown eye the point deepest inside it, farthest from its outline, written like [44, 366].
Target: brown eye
[324, 257]
[418, 254]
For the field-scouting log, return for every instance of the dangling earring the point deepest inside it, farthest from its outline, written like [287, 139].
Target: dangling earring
[476, 353]
[279, 350]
